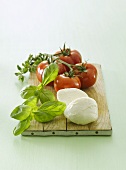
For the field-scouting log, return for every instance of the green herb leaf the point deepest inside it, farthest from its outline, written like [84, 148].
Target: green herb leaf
[22, 125]
[28, 91]
[53, 108]
[21, 77]
[50, 73]
[17, 74]
[18, 67]
[31, 101]
[49, 110]
[46, 95]
[43, 117]
[21, 112]
[25, 70]
[30, 65]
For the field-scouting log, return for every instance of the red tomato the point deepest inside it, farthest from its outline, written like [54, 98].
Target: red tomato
[62, 68]
[69, 56]
[87, 74]
[43, 65]
[76, 56]
[40, 69]
[62, 82]
[68, 60]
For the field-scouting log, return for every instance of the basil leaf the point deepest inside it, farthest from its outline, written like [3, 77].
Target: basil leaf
[28, 91]
[49, 110]
[50, 73]
[31, 101]
[21, 112]
[42, 117]
[22, 125]
[46, 95]
[53, 108]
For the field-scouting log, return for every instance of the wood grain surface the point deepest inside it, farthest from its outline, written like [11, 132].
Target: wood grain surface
[60, 126]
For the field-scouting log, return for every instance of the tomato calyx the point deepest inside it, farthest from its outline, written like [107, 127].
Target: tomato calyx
[62, 82]
[87, 74]
[63, 51]
[69, 74]
[81, 68]
[73, 68]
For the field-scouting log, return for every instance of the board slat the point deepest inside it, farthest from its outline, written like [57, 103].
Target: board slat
[59, 123]
[60, 126]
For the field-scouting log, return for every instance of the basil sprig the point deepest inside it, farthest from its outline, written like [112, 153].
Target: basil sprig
[40, 104]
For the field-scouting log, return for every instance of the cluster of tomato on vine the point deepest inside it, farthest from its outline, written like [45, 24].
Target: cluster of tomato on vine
[73, 72]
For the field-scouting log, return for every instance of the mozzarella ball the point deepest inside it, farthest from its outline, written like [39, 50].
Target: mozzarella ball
[69, 94]
[82, 111]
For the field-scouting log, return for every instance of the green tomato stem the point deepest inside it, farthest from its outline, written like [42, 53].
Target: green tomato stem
[63, 62]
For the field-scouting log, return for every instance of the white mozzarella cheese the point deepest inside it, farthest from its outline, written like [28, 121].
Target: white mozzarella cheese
[69, 94]
[82, 111]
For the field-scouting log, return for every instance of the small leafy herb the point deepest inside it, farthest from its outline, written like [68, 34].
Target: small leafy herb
[40, 104]
[31, 64]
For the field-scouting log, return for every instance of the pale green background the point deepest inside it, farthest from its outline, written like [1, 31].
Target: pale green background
[97, 28]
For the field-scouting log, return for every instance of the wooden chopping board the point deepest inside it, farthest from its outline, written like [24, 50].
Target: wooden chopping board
[60, 126]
